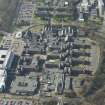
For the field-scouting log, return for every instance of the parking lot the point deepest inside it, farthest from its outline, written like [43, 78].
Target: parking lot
[14, 102]
[25, 12]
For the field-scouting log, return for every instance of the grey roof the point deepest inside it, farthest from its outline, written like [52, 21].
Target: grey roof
[23, 84]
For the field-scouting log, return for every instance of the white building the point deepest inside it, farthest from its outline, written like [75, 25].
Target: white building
[101, 7]
[6, 58]
[3, 76]
[83, 7]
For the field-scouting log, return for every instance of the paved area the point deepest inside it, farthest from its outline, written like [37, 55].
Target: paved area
[95, 53]
[14, 102]
[25, 13]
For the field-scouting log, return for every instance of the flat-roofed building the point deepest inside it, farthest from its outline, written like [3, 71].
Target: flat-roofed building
[3, 76]
[91, 8]
[6, 58]
[24, 85]
[101, 7]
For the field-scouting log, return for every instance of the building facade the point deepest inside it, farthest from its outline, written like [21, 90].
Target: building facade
[6, 58]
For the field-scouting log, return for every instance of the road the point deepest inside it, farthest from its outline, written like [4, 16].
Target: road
[99, 35]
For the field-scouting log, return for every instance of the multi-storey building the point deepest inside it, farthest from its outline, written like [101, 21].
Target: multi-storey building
[88, 8]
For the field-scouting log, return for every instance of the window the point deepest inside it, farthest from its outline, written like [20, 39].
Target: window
[23, 84]
[1, 62]
[3, 56]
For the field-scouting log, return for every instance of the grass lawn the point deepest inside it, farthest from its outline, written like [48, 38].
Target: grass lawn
[38, 21]
[37, 29]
